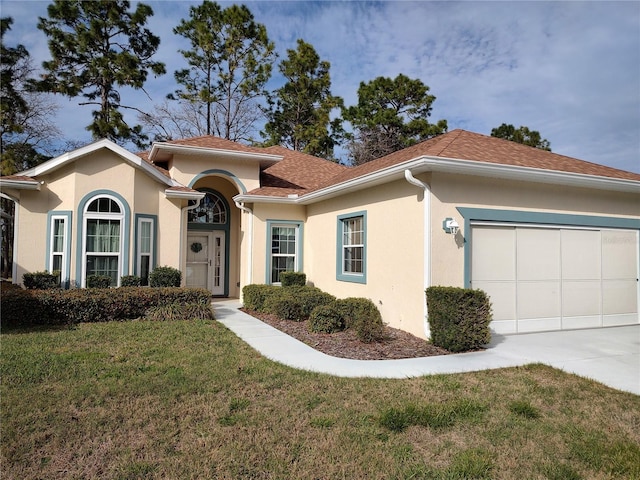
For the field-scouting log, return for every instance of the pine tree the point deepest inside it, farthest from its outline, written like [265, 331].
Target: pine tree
[96, 47]
[300, 116]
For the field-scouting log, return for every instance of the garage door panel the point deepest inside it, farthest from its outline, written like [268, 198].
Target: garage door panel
[619, 254]
[538, 300]
[547, 278]
[493, 254]
[538, 254]
[581, 254]
[502, 296]
[619, 296]
[581, 298]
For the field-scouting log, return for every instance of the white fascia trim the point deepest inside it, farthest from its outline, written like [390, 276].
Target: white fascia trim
[248, 198]
[184, 195]
[57, 162]
[157, 147]
[529, 174]
[20, 184]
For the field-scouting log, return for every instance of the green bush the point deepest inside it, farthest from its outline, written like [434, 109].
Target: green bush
[293, 279]
[60, 307]
[326, 319]
[309, 298]
[362, 315]
[285, 307]
[165, 277]
[459, 318]
[254, 295]
[175, 311]
[98, 281]
[130, 281]
[40, 280]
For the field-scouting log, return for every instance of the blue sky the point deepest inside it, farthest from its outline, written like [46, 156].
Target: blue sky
[570, 70]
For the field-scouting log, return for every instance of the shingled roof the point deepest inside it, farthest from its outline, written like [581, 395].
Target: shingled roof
[463, 145]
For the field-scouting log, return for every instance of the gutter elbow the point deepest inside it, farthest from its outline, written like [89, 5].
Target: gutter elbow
[414, 181]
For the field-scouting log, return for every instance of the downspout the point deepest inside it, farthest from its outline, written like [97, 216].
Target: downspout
[242, 207]
[427, 241]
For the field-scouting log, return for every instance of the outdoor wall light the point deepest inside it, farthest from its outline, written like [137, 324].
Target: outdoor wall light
[449, 225]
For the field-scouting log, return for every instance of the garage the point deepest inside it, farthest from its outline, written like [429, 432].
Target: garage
[543, 278]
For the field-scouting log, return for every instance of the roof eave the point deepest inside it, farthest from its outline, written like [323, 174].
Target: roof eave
[265, 159]
[181, 195]
[19, 184]
[471, 167]
[248, 198]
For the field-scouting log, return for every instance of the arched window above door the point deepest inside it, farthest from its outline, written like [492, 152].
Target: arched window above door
[212, 210]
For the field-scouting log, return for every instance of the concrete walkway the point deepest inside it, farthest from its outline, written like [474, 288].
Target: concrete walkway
[607, 355]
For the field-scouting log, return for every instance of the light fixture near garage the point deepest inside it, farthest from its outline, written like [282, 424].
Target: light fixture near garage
[449, 225]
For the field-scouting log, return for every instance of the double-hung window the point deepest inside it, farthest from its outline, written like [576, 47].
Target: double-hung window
[59, 232]
[145, 243]
[103, 239]
[352, 247]
[285, 239]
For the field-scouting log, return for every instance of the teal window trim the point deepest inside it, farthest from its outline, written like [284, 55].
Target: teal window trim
[154, 240]
[341, 275]
[66, 271]
[299, 225]
[534, 218]
[126, 232]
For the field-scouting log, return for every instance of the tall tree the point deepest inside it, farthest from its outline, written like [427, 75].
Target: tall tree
[230, 62]
[97, 47]
[391, 114]
[300, 116]
[522, 135]
[25, 128]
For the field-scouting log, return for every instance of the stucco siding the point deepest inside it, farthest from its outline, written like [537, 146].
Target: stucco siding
[394, 251]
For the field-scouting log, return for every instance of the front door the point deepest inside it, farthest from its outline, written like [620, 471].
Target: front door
[205, 261]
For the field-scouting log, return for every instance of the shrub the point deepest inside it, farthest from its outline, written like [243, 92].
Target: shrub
[130, 281]
[165, 277]
[459, 318]
[59, 307]
[284, 306]
[362, 315]
[309, 298]
[293, 279]
[176, 311]
[98, 281]
[254, 295]
[326, 319]
[40, 280]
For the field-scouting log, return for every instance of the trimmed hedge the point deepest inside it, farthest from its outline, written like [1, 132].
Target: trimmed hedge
[326, 319]
[130, 281]
[293, 279]
[40, 280]
[254, 295]
[60, 307]
[362, 315]
[459, 318]
[165, 277]
[98, 281]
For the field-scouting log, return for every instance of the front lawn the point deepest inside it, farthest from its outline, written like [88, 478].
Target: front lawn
[158, 400]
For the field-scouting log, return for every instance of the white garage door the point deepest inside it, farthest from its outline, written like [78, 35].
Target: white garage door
[555, 278]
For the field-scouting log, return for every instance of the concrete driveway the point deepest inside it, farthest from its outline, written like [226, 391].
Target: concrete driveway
[607, 355]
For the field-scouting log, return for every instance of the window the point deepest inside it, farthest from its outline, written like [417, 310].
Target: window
[103, 239]
[284, 240]
[59, 231]
[212, 210]
[352, 240]
[145, 247]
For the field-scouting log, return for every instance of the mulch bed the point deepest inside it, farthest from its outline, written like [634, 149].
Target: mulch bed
[397, 343]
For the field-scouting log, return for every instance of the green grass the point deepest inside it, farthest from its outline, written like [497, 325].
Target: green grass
[156, 400]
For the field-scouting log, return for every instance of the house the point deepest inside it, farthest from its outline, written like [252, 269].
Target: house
[553, 240]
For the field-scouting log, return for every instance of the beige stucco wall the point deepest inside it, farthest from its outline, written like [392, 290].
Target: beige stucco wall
[186, 167]
[394, 255]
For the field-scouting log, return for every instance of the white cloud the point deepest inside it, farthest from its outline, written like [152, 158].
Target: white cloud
[568, 69]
